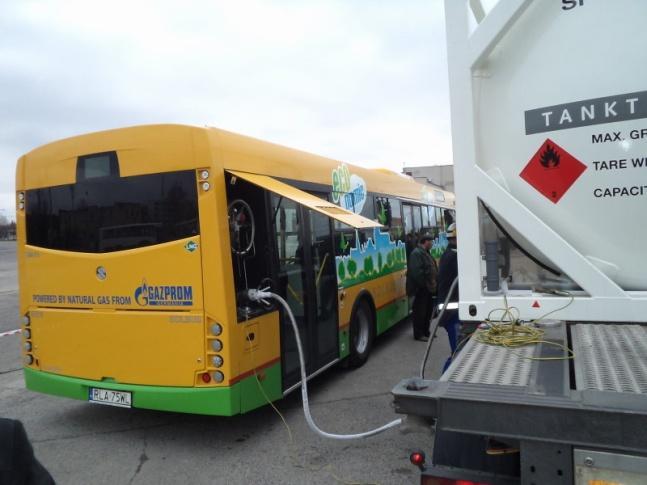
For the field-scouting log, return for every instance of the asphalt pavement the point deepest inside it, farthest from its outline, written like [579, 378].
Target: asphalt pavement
[81, 443]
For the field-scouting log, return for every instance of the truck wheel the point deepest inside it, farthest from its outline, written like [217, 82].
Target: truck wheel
[362, 332]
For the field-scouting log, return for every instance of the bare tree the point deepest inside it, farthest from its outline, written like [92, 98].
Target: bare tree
[7, 228]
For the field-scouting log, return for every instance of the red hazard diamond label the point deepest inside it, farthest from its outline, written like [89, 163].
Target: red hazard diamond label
[552, 171]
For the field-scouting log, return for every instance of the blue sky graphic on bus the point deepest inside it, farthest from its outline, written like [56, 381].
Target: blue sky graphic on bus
[377, 256]
[163, 295]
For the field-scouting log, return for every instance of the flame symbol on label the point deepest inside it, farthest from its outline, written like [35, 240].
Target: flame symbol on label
[550, 158]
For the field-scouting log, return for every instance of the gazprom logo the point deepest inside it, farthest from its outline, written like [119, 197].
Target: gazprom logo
[163, 295]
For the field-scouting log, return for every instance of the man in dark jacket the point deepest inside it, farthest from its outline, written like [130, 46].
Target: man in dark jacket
[447, 273]
[18, 465]
[421, 284]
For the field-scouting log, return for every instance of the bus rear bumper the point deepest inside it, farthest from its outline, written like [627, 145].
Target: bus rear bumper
[216, 401]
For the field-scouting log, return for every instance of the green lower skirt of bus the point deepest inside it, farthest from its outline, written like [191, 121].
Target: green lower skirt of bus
[391, 314]
[218, 401]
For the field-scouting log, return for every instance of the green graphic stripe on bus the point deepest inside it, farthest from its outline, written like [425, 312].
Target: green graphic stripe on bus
[218, 401]
[391, 314]
[378, 256]
[251, 396]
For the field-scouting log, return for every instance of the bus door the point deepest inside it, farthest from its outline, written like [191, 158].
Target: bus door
[407, 219]
[324, 276]
[305, 277]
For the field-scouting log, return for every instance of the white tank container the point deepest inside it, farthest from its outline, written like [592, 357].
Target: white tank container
[572, 84]
[549, 126]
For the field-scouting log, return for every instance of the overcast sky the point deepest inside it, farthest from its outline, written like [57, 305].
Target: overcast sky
[363, 81]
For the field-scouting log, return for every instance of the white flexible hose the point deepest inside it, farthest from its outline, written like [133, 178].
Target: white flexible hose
[259, 295]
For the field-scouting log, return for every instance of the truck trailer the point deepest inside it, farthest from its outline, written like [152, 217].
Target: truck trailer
[549, 128]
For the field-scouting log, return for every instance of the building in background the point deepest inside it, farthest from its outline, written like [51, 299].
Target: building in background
[439, 175]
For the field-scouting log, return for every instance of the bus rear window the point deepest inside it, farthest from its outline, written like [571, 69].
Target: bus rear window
[105, 214]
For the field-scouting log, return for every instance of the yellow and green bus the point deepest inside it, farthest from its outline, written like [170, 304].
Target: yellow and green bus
[136, 248]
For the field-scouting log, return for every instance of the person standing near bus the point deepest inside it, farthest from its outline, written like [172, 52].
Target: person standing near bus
[421, 284]
[18, 464]
[447, 273]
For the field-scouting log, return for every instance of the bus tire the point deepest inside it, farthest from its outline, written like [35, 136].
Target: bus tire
[362, 333]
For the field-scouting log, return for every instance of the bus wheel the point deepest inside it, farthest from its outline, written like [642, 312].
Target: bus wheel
[362, 332]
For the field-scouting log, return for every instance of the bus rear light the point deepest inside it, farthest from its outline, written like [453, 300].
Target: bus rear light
[417, 458]
[29, 360]
[21, 205]
[26, 320]
[21, 196]
[216, 345]
[216, 329]
[218, 376]
[206, 186]
[206, 378]
[204, 174]
[217, 361]
[28, 346]
[27, 333]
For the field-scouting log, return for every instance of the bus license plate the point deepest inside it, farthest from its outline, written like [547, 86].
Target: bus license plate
[122, 399]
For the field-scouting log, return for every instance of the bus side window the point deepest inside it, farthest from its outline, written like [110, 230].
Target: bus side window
[425, 219]
[439, 219]
[287, 230]
[433, 222]
[417, 221]
[368, 210]
[409, 228]
[449, 217]
[395, 227]
[345, 237]
[407, 216]
[383, 211]
[388, 212]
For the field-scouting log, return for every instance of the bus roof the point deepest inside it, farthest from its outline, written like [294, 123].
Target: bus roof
[257, 156]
